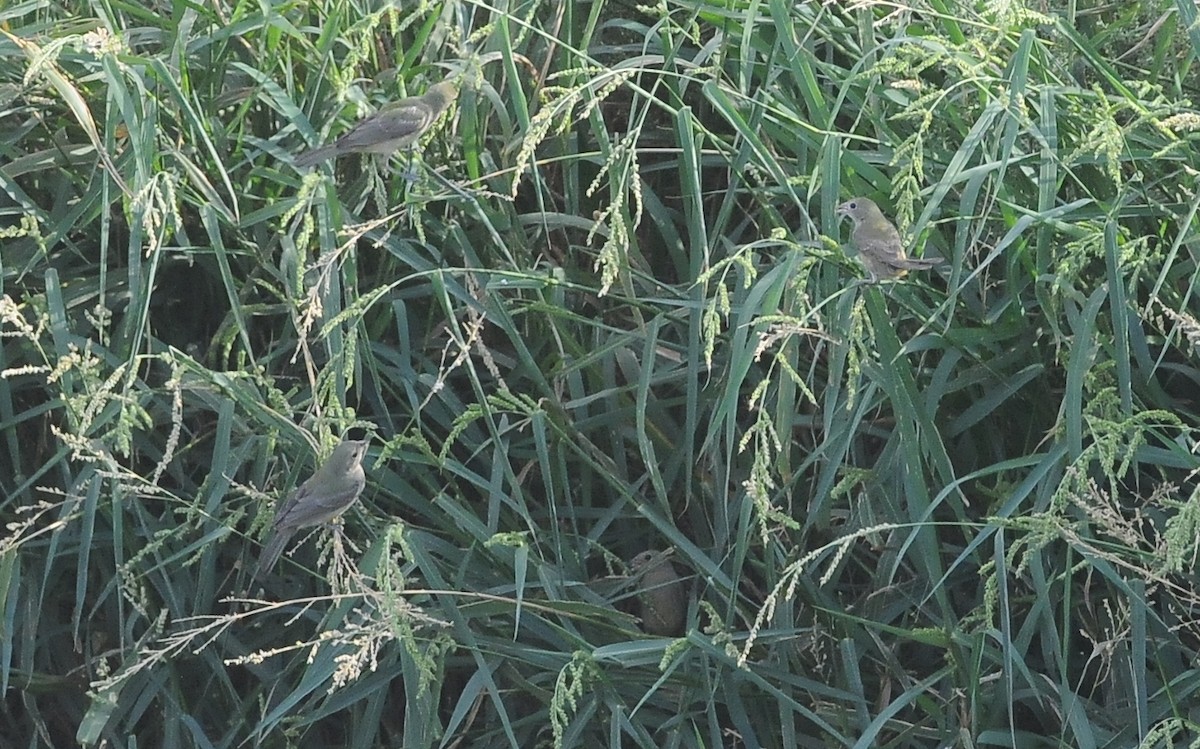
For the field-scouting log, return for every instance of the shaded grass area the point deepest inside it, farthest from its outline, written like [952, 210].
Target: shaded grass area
[611, 313]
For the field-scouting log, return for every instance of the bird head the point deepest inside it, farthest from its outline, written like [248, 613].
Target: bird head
[348, 454]
[441, 94]
[859, 210]
[648, 560]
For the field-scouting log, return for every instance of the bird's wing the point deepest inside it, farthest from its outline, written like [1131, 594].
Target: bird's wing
[290, 503]
[884, 250]
[403, 119]
[880, 240]
[309, 507]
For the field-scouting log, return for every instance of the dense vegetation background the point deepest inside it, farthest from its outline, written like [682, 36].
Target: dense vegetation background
[610, 313]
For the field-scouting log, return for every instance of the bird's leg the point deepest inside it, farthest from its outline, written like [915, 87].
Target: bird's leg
[410, 172]
[377, 185]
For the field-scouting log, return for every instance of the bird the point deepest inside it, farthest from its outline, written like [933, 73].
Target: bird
[397, 125]
[878, 242]
[663, 599]
[326, 494]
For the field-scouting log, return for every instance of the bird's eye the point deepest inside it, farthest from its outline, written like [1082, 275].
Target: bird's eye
[853, 205]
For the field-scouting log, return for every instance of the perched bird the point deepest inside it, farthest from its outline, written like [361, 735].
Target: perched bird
[326, 494]
[878, 242]
[663, 596]
[395, 126]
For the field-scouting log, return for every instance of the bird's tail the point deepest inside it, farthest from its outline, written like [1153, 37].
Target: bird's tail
[270, 554]
[315, 156]
[921, 263]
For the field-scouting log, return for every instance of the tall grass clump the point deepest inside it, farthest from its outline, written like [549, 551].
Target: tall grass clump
[605, 306]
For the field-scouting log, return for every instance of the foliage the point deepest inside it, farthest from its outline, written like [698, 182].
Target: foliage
[601, 309]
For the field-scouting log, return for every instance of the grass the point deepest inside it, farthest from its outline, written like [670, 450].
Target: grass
[611, 313]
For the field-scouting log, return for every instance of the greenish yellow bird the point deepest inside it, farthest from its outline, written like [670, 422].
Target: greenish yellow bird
[397, 125]
[328, 493]
[878, 242]
[663, 597]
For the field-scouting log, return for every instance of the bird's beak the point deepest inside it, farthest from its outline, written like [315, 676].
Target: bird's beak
[843, 209]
